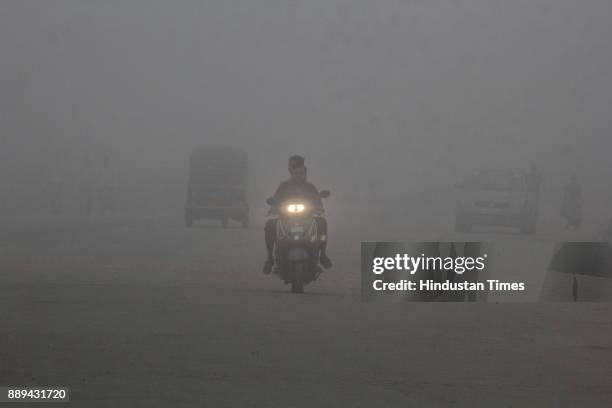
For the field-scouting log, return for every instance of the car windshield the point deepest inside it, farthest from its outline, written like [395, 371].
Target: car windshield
[496, 181]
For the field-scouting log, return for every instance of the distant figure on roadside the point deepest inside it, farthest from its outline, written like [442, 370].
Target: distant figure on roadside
[533, 184]
[571, 208]
[534, 180]
[575, 289]
[86, 188]
[105, 189]
[56, 187]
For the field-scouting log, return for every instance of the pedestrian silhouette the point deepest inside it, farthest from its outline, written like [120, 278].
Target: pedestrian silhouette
[575, 289]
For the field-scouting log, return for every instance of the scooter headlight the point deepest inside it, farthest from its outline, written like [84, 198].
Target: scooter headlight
[295, 208]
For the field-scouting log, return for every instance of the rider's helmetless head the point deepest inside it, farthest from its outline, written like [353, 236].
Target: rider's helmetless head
[298, 173]
[295, 162]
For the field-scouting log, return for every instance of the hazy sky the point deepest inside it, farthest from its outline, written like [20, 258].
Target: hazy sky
[387, 86]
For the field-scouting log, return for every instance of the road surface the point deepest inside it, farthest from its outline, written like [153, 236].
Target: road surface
[146, 313]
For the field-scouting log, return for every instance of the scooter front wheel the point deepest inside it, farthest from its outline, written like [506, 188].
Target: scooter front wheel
[297, 281]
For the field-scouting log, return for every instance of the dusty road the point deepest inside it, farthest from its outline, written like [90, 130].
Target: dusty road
[150, 314]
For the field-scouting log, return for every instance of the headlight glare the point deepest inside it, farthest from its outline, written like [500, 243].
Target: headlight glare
[295, 208]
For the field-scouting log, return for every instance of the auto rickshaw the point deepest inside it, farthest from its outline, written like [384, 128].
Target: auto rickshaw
[217, 186]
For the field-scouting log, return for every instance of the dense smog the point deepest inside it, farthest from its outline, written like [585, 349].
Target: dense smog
[186, 187]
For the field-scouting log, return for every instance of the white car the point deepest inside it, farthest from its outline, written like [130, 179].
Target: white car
[496, 199]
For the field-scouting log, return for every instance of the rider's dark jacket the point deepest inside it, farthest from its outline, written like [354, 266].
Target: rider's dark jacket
[297, 189]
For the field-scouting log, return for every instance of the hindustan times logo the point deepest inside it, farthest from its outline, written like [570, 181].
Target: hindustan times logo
[412, 264]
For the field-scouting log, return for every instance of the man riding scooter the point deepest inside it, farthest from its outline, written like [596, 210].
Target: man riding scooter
[295, 186]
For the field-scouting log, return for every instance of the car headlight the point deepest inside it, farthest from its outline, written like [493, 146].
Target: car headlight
[296, 208]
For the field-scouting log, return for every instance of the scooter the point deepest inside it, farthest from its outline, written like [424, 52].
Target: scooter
[298, 242]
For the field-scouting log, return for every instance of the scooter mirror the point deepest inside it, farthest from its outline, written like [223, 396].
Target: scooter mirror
[324, 194]
[270, 201]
